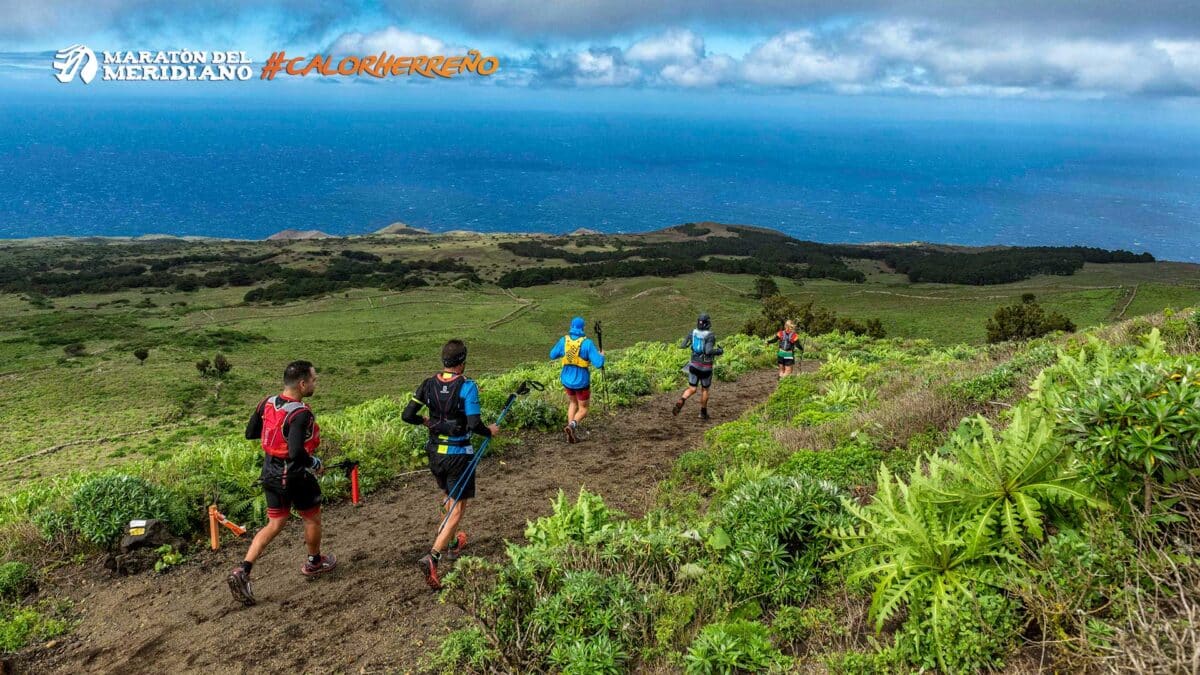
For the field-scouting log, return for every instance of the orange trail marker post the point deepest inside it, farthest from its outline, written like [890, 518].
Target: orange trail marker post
[216, 518]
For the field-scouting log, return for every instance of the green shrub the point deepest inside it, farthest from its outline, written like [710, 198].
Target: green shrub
[774, 527]
[994, 385]
[1079, 576]
[792, 625]
[788, 397]
[21, 625]
[931, 560]
[840, 369]
[973, 636]
[463, 650]
[103, 505]
[848, 465]
[581, 522]
[735, 646]
[742, 442]
[1025, 320]
[600, 654]
[1005, 483]
[1134, 425]
[15, 579]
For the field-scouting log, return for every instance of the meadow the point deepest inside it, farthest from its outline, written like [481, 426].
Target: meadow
[75, 396]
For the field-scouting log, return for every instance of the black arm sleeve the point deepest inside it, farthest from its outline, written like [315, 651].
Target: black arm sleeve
[298, 429]
[254, 426]
[686, 342]
[773, 340]
[476, 425]
[412, 411]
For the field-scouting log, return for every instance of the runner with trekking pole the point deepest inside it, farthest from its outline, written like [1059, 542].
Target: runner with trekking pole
[454, 415]
[578, 354]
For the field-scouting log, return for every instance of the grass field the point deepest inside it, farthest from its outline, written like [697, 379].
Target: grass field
[371, 342]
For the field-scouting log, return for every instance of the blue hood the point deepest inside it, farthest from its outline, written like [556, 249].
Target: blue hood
[577, 326]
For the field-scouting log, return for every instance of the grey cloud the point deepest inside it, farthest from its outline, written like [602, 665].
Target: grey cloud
[571, 19]
[142, 19]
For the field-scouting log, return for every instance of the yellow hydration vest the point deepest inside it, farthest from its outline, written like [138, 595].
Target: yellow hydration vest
[571, 349]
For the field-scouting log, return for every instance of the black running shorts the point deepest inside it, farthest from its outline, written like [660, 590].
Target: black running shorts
[447, 469]
[301, 493]
[696, 376]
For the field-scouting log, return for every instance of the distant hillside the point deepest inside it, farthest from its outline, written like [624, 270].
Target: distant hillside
[400, 229]
[291, 235]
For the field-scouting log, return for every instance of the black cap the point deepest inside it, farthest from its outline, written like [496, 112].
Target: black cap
[703, 321]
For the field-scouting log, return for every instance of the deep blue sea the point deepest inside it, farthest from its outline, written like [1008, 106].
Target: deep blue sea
[245, 173]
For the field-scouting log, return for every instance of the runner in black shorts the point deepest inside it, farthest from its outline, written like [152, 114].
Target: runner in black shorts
[789, 344]
[454, 408]
[289, 434]
[703, 343]
[697, 376]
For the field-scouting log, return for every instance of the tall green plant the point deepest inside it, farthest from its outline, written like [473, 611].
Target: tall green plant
[920, 554]
[1005, 481]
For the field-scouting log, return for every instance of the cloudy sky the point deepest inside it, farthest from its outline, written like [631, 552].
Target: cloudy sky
[1025, 49]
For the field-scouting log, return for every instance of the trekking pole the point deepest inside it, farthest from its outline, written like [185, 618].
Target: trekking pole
[461, 484]
[600, 344]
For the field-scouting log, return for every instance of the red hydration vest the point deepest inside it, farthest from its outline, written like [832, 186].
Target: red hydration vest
[787, 340]
[277, 411]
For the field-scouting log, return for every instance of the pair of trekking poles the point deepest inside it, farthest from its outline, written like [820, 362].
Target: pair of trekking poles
[459, 485]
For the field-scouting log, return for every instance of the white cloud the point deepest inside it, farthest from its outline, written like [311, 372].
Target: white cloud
[792, 59]
[671, 47]
[708, 72]
[904, 56]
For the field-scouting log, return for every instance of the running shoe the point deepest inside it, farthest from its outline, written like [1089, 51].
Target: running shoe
[456, 547]
[429, 568]
[239, 585]
[326, 563]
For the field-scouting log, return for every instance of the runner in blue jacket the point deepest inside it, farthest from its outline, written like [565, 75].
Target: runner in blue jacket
[578, 354]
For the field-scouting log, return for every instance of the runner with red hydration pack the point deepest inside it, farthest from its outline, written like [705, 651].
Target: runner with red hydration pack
[289, 435]
[789, 344]
[454, 415]
[578, 354]
[703, 343]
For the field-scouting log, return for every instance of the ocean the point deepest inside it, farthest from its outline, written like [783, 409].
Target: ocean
[122, 170]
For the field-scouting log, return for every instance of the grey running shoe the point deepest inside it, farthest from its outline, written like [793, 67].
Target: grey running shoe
[239, 585]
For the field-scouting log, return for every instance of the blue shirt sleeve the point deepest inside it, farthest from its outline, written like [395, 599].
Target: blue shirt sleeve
[559, 348]
[470, 397]
[592, 355]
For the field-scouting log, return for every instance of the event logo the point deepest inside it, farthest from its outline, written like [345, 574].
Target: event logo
[76, 59]
[160, 66]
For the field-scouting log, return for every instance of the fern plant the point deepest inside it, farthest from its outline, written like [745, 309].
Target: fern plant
[921, 554]
[1005, 481]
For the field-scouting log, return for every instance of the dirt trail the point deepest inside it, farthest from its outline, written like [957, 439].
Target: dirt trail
[374, 613]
